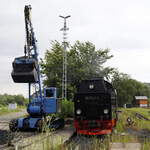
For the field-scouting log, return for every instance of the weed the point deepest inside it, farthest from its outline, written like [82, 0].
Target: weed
[146, 144]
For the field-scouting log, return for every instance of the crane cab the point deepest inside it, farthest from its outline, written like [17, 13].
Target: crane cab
[47, 105]
[24, 70]
[51, 102]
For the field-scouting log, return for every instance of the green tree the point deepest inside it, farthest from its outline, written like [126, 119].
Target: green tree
[84, 62]
[52, 65]
[127, 88]
[6, 99]
[87, 62]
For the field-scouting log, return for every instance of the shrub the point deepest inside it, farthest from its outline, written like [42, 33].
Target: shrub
[67, 109]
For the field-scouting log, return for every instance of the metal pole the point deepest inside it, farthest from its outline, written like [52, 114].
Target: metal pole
[64, 76]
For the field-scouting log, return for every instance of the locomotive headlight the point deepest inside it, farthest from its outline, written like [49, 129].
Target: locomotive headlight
[78, 111]
[106, 111]
[91, 86]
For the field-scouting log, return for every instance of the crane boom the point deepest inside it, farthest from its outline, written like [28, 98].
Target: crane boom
[31, 46]
[26, 69]
[30, 36]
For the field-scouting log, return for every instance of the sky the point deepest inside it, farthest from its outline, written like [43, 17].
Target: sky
[123, 26]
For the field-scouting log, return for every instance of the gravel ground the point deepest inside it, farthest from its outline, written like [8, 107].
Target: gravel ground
[4, 126]
[22, 139]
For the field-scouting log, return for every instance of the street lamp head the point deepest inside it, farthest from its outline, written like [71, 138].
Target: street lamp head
[67, 16]
[64, 17]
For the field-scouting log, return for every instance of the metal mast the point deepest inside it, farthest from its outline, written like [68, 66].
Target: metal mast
[64, 77]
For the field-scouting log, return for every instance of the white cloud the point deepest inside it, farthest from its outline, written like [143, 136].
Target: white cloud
[123, 26]
[133, 62]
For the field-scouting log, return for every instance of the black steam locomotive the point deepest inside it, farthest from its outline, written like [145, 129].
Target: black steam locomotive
[95, 107]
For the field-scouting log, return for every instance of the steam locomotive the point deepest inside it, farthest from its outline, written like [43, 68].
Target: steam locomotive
[95, 107]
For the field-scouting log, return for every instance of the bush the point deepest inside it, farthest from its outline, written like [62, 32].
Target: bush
[67, 109]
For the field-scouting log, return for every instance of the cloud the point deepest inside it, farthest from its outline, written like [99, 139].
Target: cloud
[133, 62]
[123, 26]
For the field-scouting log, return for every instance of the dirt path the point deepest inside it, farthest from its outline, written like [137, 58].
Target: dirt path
[9, 116]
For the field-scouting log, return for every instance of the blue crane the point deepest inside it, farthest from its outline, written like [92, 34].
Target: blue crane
[26, 69]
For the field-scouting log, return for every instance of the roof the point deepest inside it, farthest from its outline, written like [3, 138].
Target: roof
[141, 97]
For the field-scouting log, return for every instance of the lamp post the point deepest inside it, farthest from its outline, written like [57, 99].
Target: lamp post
[64, 76]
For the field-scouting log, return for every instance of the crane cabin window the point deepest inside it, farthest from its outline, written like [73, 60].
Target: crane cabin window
[49, 93]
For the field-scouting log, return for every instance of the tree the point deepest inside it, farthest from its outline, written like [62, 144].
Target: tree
[6, 99]
[84, 62]
[52, 65]
[87, 62]
[127, 88]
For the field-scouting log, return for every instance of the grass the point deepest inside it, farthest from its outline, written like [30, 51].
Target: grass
[143, 111]
[42, 141]
[146, 144]
[137, 126]
[5, 110]
[119, 136]
[67, 109]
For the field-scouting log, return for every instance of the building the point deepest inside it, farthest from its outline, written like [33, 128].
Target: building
[12, 106]
[140, 101]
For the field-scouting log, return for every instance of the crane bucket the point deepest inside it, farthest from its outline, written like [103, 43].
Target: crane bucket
[24, 70]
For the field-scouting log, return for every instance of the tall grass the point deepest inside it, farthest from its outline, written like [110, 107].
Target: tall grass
[146, 144]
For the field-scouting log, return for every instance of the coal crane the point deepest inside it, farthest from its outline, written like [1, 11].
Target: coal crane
[26, 69]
